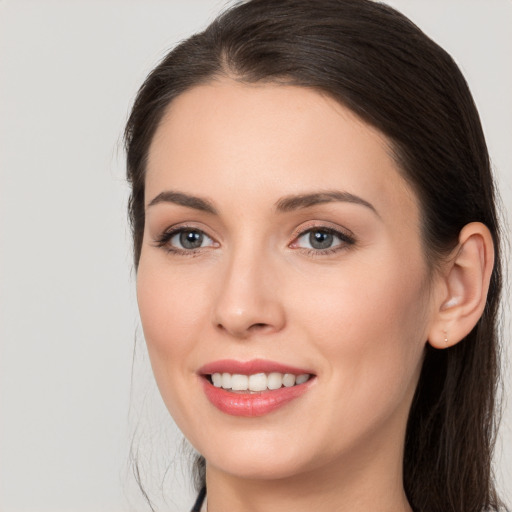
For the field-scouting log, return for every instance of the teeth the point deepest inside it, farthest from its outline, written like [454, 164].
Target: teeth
[226, 380]
[300, 379]
[274, 380]
[217, 380]
[258, 381]
[288, 380]
[239, 382]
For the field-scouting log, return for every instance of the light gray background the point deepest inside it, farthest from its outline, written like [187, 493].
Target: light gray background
[69, 71]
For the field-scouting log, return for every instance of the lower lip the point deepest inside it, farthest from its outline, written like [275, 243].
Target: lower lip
[253, 404]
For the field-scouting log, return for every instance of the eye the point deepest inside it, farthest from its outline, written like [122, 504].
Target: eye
[188, 239]
[322, 239]
[185, 239]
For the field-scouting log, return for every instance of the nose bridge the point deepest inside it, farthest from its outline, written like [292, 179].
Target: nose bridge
[248, 300]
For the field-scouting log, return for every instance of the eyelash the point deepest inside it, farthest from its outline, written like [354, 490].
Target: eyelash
[345, 240]
[164, 239]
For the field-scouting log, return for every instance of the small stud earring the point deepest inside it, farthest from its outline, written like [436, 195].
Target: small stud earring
[445, 338]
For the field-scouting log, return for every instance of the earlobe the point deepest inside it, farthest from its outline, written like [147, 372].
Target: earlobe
[464, 285]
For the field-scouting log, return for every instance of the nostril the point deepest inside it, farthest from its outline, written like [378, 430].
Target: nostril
[258, 327]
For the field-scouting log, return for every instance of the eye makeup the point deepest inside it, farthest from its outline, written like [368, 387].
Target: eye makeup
[316, 239]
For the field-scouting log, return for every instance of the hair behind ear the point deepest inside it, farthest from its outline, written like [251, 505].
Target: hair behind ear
[454, 412]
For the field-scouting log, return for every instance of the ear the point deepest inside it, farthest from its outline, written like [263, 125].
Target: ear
[462, 288]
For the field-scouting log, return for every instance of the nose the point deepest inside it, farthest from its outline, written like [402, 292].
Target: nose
[248, 302]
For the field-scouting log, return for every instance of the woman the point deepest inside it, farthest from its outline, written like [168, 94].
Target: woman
[318, 261]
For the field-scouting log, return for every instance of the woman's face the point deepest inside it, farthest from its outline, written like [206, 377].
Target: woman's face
[281, 239]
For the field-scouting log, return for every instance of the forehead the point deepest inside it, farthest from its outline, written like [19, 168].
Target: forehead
[262, 141]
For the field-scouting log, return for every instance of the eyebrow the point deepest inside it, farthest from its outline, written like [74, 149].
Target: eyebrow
[197, 203]
[295, 202]
[285, 204]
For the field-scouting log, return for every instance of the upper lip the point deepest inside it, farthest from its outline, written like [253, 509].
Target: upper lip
[249, 367]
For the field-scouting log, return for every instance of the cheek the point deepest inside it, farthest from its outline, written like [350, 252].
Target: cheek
[170, 306]
[371, 327]
[172, 311]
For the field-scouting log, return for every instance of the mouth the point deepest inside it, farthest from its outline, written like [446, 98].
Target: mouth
[253, 388]
[257, 382]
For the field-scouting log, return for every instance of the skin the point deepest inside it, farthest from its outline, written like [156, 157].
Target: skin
[359, 317]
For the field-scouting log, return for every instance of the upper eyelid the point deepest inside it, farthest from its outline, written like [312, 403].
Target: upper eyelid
[319, 225]
[343, 238]
[322, 228]
[168, 233]
[176, 228]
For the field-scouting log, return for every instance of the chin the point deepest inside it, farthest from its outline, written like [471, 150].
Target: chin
[264, 465]
[261, 454]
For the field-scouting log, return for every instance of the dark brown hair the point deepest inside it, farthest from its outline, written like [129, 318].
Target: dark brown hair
[376, 62]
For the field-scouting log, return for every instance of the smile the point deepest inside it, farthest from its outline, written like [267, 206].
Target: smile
[258, 381]
[253, 388]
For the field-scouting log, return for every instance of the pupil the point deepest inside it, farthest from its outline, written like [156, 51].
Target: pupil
[320, 239]
[191, 239]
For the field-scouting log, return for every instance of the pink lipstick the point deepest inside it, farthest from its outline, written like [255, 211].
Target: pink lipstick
[253, 388]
